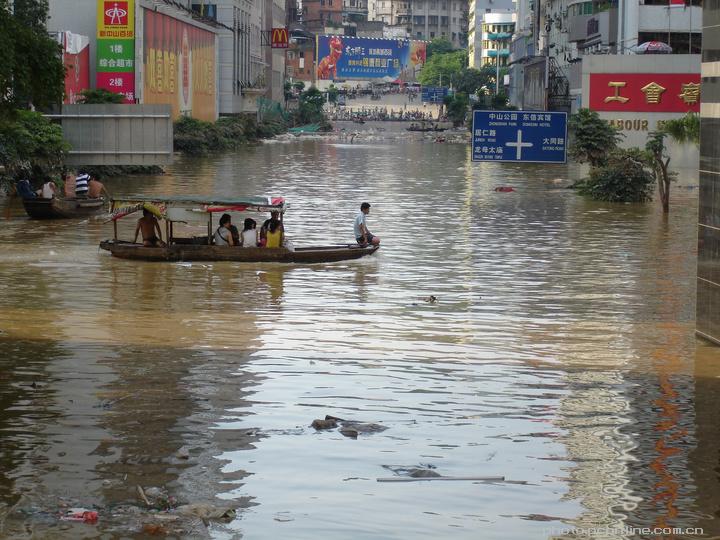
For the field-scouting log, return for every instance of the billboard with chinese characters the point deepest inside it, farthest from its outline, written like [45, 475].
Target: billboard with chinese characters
[115, 66]
[645, 92]
[345, 57]
[179, 66]
[526, 136]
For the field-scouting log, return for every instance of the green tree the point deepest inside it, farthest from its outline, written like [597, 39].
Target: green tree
[471, 80]
[457, 107]
[333, 93]
[31, 72]
[443, 69]
[91, 96]
[623, 177]
[592, 138]
[310, 109]
[33, 143]
[681, 130]
[438, 46]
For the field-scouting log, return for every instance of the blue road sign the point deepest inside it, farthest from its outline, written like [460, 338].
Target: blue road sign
[433, 94]
[525, 136]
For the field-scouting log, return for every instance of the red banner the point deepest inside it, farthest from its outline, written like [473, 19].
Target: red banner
[645, 92]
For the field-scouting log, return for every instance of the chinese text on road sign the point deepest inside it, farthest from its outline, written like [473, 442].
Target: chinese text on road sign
[519, 136]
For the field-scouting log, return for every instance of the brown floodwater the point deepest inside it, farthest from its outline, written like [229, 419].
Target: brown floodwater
[560, 354]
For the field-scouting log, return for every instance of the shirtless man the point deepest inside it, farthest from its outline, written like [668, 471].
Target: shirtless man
[96, 188]
[150, 228]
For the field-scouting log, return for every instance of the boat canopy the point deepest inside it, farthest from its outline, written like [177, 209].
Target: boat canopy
[177, 208]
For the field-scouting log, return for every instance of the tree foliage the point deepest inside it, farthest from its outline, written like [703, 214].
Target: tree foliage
[623, 177]
[683, 130]
[31, 143]
[31, 72]
[91, 96]
[457, 107]
[443, 68]
[438, 46]
[592, 138]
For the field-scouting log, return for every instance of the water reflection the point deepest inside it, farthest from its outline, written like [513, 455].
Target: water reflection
[558, 353]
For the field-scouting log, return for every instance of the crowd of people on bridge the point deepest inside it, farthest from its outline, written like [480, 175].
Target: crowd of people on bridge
[380, 114]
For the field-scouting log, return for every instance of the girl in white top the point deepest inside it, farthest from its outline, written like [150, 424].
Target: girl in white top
[249, 238]
[223, 236]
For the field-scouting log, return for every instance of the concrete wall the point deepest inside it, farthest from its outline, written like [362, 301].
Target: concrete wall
[637, 125]
[708, 274]
[118, 134]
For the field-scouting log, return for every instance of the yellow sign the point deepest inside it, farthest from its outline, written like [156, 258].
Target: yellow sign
[617, 97]
[690, 93]
[115, 19]
[653, 92]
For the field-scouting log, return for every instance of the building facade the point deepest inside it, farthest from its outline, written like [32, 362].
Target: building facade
[477, 11]
[423, 19]
[489, 41]
[708, 276]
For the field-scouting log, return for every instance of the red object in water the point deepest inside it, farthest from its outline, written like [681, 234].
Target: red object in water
[504, 189]
[86, 516]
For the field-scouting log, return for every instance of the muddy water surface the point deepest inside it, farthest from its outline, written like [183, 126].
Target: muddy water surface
[559, 354]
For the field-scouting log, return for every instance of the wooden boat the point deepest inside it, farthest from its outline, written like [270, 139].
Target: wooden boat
[199, 252]
[200, 248]
[55, 208]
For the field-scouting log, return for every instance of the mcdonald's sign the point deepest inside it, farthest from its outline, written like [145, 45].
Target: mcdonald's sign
[279, 38]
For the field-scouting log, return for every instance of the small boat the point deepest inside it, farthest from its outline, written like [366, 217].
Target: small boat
[190, 209]
[56, 208]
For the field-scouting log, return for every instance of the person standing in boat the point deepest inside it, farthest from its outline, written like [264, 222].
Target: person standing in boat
[81, 185]
[362, 234]
[150, 228]
[223, 235]
[69, 186]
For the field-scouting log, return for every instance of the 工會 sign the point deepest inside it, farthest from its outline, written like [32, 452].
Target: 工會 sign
[645, 92]
[519, 136]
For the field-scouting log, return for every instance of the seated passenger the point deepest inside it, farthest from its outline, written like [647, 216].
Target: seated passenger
[96, 188]
[69, 186]
[149, 226]
[81, 185]
[24, 189]
[249, 237]
[274, 234]
[48, 190]
[263, 230]
[223, 235]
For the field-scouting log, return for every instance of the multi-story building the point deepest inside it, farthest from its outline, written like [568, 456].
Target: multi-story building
[423, 19]
[489, 40]
[317, 15]
[354, 11]
[478, 9]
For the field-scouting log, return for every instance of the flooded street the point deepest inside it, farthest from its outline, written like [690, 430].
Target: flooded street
[559, 354]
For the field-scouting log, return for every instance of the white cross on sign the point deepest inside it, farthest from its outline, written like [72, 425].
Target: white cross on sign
[519, 145]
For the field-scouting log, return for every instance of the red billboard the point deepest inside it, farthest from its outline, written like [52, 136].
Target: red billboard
[645, 92]
[76, 59]
[179, 66]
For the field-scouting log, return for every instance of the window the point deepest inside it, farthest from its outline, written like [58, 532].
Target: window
[432, 35]
[432, 19]
[419, 35]
[443, 21]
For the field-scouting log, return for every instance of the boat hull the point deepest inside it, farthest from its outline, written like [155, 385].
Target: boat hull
[63, 208]
[190, 252]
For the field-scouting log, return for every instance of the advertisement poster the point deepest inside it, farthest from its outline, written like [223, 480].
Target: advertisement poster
[392, 60]
[180, 66]
[115, 66]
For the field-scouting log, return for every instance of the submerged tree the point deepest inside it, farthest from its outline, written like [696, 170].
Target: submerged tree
[682, 130]
[593, 139]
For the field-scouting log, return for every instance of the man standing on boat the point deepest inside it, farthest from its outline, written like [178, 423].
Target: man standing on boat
[362, 235]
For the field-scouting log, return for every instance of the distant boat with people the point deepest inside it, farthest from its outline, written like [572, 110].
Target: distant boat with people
[55, 208]
[191, 209]
[424, 127]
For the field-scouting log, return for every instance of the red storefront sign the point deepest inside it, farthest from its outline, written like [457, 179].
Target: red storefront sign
[115, 13]
[118, 82]
[645, 92]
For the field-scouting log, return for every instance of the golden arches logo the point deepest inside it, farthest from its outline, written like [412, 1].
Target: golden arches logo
[279, 38]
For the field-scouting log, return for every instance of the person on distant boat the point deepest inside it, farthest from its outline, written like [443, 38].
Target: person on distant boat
[24, 189]
[69, 186]
[48, 190]
[263, 230]
[249, 236]
[96, 188]
[150, 228]
[81, 185]
[223, 235]
[362, 234]
[274, 234]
